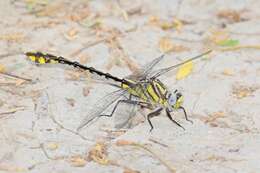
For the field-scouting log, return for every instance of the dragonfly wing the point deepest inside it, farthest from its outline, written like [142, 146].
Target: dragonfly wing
[162, 71]
[124, 114]
[101, 106]
[146, 69]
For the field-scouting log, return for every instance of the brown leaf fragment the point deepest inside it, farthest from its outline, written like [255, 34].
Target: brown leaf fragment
[13, 37]
[2, 68]
[77, 161]
[80, 14]
[166, 45]
[71, 34]
[84, 59]
[242, 91]
[99, 154]
[213, 117]
[123, 142]
[228, 72]
[128, 170]
[230, 15]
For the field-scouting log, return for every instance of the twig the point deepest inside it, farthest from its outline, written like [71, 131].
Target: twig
[69, 130]
[172, 170]
[47, 155]
[10, 54]
[15, 76]
[11, 111]
[241, 47]
[87, 45]
[157, 142]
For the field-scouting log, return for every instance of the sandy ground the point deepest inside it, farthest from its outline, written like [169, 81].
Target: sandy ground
[39, 117]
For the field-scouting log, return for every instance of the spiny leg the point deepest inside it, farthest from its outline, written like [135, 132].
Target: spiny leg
[170, 117]
[185, 114]
[153, 114]
[144, 104]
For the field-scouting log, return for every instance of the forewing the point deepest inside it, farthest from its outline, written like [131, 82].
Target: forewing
[101, 106]
[146, 69]
[162, 71]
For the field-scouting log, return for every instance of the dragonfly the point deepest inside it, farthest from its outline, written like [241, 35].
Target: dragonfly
[143, 89]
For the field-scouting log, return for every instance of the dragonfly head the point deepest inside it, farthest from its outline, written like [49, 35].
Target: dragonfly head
[175, 100]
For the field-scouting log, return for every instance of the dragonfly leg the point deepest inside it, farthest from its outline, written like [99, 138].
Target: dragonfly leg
[185, 114]
[170, 117]
[153, 114]
[143, 104]
[114, 109]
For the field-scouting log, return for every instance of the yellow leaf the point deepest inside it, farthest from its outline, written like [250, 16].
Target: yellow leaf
[178, 24]
[2, 68]
[166, 25]
[52, 146]
[184, 70]
[228, 72]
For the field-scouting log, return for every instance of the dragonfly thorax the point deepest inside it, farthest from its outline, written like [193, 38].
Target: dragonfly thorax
[154, 92]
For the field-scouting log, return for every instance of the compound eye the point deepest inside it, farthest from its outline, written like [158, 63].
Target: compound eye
[178, 95]
[172, 100]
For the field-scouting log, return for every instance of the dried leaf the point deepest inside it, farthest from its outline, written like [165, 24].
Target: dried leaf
[165, 45]
[91, 22]
[178, 25]
[218, 36]
[123, 142]
[230, 15]
[184, 70]
[77, 161]
[166, 25]
[228, 72]
[80, 14]
[15, 37]
[71, 34]
[52, 146]
[128, 170]
[154, 20]
[83, 59]
[214, 117]
[228, 42]
[240, 91]
[19, 82]
[2, 68]
[99, 154]
[125, 15]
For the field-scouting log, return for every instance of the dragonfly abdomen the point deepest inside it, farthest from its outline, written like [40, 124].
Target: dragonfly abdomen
[42, 58]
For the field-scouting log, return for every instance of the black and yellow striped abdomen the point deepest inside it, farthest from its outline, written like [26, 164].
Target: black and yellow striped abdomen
[41, 58]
